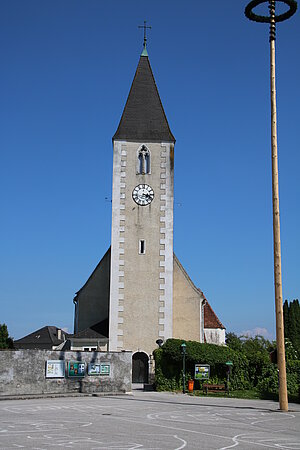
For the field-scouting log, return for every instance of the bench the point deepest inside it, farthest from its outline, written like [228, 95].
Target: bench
[215, 388]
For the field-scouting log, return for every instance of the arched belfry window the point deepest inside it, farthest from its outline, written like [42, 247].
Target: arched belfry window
[143, 160]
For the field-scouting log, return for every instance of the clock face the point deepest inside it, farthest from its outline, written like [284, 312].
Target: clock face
[143, 194]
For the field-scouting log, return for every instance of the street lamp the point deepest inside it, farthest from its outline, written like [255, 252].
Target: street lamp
[272, 18]
[159, 342]
[229, 365]
[183, 351]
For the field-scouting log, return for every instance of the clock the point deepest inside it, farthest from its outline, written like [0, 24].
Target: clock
[143, 194]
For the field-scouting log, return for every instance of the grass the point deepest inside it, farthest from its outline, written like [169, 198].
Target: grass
[248, 394]
[251, 394]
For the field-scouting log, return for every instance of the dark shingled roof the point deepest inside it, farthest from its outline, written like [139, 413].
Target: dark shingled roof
[143, 118]
[45, 337]
[96, 331]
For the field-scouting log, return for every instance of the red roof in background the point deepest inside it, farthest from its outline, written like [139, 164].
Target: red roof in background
[210, 318]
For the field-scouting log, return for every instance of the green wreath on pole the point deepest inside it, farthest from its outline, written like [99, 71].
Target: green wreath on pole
[267, 19]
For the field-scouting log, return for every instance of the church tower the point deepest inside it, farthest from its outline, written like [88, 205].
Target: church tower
[139, 292]
[141, 272]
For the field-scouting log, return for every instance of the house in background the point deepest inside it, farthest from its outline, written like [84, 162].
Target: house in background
[94, 338]
[214, 330]
[46, 338]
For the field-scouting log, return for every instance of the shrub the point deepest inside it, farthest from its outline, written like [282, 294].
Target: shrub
[168, 363]
[252, 367]
[268, 383]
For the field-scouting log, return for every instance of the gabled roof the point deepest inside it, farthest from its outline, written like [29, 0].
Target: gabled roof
[96, 331]
[143, 118]
[46, 336]
[210, 318]
[107, 254]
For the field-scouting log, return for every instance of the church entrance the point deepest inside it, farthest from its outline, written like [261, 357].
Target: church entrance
[140, 367]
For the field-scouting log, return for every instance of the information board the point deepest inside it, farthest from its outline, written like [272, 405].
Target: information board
[93, 369]
[76, 369]
[55, 369]
[105, 368]
[202, 371]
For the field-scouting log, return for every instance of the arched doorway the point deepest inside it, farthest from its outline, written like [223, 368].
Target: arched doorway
[140, 370]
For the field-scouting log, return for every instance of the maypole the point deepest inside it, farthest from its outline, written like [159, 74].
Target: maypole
[272, 19]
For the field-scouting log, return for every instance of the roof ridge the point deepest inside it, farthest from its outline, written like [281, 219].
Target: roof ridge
[107, 251]
[163, 110]
[188, 277]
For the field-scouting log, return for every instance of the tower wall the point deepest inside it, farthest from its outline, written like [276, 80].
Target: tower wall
[141, 293]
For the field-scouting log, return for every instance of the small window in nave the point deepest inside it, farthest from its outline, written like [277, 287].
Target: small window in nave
[142, 247]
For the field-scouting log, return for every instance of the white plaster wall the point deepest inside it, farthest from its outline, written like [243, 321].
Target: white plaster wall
[215, 336]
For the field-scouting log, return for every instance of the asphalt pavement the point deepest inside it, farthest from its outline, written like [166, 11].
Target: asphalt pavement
[147, 420]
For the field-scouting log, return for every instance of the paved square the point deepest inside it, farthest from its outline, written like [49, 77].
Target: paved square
[147, 420]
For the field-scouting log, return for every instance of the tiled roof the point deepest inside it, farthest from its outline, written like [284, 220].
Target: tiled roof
[210, 318]
[143, 118]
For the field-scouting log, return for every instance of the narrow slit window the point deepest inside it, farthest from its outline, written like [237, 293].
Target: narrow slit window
[147, 163]
[140, 163]
[142, 247]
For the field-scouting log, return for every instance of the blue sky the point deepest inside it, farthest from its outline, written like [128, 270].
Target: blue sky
[66, 70]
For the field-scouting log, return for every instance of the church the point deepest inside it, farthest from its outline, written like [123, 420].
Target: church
[139, 295]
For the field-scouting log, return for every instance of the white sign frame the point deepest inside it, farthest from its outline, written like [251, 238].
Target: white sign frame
[202, 372]
[55, 369]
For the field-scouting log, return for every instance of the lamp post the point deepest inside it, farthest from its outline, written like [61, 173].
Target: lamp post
[229, 365]
[183, 350]
[272, 18]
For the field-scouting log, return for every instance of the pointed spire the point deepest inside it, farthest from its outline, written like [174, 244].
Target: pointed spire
[143, 118]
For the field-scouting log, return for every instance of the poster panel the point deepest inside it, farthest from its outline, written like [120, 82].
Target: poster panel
[105, 368]
[76, 369]
[202, 371]
[55, 369]
[93, 369]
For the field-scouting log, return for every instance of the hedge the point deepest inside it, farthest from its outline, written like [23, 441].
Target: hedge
[168, 364]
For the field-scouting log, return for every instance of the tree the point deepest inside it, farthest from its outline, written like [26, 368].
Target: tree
[234, 342]
[256, 350]
[291, 312]
[5, 340]
[286, 318]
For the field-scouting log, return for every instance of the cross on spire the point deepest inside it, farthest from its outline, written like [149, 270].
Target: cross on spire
[145, 32]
